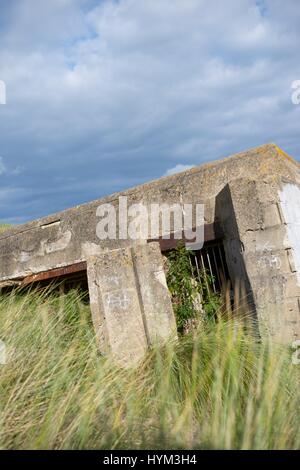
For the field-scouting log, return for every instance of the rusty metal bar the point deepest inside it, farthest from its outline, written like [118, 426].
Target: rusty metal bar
[204, 271]
[211, 271]
[216, 266]
[199, 275]
[57, 272]
[223, 263]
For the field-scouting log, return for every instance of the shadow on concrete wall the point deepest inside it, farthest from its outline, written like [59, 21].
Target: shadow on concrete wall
[244, 302]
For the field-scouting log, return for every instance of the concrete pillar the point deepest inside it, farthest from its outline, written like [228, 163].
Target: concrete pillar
[130, 302]
[155, 300]
[259, 252]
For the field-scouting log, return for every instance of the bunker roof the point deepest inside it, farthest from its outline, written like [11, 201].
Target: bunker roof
[258, 162]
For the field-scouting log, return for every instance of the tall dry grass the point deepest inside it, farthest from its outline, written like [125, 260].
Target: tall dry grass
[217, 388]
[4, 227]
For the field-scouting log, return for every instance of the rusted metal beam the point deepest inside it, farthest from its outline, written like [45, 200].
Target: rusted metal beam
[57, 272]
[211, 232]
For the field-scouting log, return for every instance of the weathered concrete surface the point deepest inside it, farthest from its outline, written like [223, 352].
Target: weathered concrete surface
[154, 293]
[70, 236]
[130, 304]
[261, 251]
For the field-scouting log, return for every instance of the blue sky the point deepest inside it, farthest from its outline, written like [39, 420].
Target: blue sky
[104, 95]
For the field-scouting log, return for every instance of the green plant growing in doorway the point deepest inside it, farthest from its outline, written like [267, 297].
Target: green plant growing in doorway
[189, 287]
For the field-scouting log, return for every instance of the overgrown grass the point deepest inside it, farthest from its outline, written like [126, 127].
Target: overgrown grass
[4, 227]
[218, 388]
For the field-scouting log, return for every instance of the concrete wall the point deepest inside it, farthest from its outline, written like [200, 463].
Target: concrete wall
[70, 236]
[262, 249]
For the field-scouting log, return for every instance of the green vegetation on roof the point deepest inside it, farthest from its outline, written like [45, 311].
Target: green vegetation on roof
[4, 227]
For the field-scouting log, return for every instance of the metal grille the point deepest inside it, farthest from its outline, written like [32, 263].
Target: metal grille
[211, 260]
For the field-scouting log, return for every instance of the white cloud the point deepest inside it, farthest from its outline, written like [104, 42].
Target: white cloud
[177, 169]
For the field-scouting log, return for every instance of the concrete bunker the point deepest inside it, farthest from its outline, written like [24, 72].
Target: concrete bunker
[248, 213]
